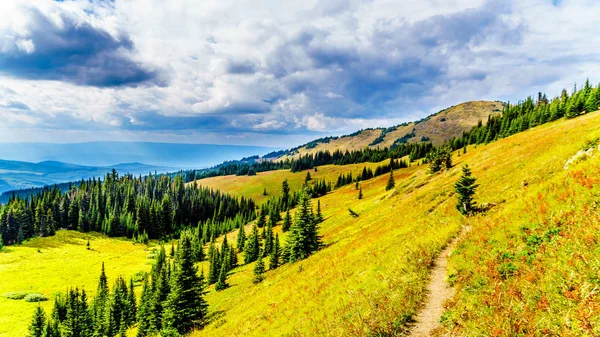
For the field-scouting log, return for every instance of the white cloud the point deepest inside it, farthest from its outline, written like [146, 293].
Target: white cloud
[301, 67]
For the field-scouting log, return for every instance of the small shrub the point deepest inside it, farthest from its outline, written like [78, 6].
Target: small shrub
[139, 277]
[15, 295]
[35, 297]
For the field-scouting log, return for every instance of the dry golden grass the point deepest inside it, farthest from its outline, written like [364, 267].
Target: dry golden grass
[438, 128]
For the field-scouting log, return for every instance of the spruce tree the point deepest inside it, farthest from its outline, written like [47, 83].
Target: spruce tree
[144, 310]
[360, 193]
[390, 183]
[303, 238]
[100, 304]
[269, 240]
[259, 271]
[185, 307]
[465, 188]
[287, 221]
[262, 221]
[241, 239]
[252, 246]
[222, 282]
[319, 216]
[38, 323]
[275, 254]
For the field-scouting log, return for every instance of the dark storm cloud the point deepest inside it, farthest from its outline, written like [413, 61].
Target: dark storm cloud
[78, 53]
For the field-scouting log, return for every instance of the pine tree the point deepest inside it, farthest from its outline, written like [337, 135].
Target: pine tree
[252, 246]
[303, 238]
[100, 304]
[185, 307]
[390, 183]
[319, 216]
[275, 254]
[262, 221]
[51, 329]
[38, 323]
[144, 311]
[241, 239]
[259, 271]
[132, 312]
[287, 221]
[269, 238]
[360, 193]
[285, 194]
[465, 188]
[222, 282]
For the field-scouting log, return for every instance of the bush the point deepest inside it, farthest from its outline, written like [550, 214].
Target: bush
[35, 297]
[15, 295]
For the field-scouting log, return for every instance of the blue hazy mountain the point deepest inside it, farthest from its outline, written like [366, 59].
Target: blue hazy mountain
[109, 153]
[16, 175]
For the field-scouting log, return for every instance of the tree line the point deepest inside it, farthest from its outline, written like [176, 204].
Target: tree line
[153, 207]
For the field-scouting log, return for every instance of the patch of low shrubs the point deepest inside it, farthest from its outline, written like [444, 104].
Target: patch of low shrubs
[35, 297]
[15, 295]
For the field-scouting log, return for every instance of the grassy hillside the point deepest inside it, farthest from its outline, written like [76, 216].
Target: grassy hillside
[371, 275]
[437, 128]
[539, 271]
[526, 267]
[254, 186]
[50, 265]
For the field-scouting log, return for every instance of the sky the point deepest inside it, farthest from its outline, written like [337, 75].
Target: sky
[272, 72]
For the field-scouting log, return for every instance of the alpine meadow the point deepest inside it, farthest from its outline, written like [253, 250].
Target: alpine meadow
[370, 169]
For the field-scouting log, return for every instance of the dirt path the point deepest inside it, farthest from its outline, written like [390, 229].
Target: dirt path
[438, 291]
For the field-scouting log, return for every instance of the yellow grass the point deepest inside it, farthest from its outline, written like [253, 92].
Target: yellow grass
[370, 277]
[50, 265]
[253, 186]
[438, 128]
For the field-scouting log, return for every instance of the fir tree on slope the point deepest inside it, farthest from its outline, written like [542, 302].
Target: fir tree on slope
[252, 246]
[303, 238]
[185, 307]
[287, 221]
[259, 271]
[275, 254]
[391, 182]
[38, 323]
[465, 188]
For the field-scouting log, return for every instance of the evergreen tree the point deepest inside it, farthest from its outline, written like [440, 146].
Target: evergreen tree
[252, 246]
[391, 182]
[269, 240]
[360, 193]
[51, 329]
[303, 238]
[144, 312]
[241, 239]
[465, 189]
[222, 282]
[259, 271]
[287, 221]
[275, 254]
[100, 304]
[38, 323]
[185, 307]
[262, 220]
[319, 216]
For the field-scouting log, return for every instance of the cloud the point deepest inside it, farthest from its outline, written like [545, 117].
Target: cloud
[273, 68]
[61, 45]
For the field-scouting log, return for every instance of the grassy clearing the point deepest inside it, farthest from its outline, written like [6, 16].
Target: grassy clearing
[50, 265]
[253, 186]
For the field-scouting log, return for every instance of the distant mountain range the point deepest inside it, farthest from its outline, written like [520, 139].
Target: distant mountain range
[108, 153]
[15, 175]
